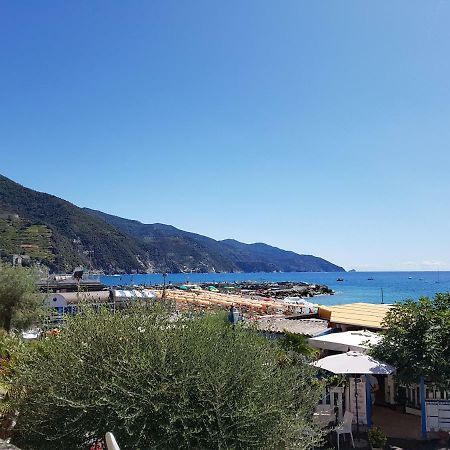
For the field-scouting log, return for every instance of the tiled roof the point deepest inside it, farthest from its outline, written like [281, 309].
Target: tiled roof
[306, 327]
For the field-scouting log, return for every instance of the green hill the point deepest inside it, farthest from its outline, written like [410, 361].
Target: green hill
[52, 231]
[224, 256]
[70, 232]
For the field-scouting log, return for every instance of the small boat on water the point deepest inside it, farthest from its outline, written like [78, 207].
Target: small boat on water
[370, 279]
[339, 279]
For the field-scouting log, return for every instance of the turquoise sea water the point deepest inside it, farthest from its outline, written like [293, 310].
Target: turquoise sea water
[356, 286]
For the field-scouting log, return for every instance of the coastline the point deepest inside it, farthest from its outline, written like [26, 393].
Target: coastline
[356, 287]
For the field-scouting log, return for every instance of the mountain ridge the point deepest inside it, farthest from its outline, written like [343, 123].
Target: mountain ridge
[254, 257]
[61, 235]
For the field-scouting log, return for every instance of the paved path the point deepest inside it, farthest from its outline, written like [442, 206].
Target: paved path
[396, 424]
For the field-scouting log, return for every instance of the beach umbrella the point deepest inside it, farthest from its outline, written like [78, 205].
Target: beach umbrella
[354, 363]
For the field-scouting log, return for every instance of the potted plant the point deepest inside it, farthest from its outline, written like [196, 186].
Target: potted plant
[377, 438]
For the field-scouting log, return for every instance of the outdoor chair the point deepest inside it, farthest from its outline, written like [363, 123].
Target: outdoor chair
[111, 442]
[345, 428]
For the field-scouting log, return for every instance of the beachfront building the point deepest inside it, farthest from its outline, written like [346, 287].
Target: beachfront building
[355, 316]
[69, 303]
[402, 411]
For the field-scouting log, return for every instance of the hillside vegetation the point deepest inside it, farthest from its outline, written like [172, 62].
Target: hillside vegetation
[62, 236]
[73, 231]
[225, 256]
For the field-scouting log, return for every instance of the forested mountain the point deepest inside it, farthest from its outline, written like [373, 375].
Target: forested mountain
[45, 228]
[225, 256]
[71, 232]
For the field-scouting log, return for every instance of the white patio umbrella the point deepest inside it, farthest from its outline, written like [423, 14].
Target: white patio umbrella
[354, 363]
[359, 341]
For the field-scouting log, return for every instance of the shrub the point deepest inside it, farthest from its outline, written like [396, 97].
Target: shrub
[416, 339]
[20, 302]
[376, 437]
[159, 383]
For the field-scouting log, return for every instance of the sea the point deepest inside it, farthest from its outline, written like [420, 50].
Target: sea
[369, 287]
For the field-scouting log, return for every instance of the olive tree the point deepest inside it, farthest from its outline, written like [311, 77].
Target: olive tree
[156, 382]
[20, 302]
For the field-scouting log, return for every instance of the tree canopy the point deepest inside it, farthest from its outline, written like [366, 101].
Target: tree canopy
[20, 301]
[417, 340]
[156, 382]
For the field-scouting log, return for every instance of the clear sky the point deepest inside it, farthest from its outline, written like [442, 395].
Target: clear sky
[321, 127]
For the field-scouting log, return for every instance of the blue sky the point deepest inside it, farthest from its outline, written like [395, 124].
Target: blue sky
[320, 127]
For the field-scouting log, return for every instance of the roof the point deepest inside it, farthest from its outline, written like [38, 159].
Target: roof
[306, 327]
[363, 315]
[132, 293]
[348, 340]
[89, 296]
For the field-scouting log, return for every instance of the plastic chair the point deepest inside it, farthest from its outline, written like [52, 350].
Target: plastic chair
[111, 442]
[345, 428]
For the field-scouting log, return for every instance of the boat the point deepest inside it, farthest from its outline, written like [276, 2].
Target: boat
[370, 279]
[339, 279]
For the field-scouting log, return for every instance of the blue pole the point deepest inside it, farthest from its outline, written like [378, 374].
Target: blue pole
[423, 408]
[368, 402]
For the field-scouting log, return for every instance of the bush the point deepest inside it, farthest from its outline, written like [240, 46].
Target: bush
[416, 339]
[20, 301]
[376, 437]
[159, 383]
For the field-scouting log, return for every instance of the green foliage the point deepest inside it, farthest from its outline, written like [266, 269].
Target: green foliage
[72, 231]
[417, 338]
[122, 245]
[10, 346]
[376, 437]
[20, 237]
[180, 249]
[297, 343]
[20, 302]
[335, 380]
[156, 382]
